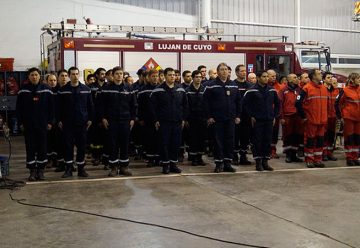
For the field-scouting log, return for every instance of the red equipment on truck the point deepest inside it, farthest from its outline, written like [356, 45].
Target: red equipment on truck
[89, 53]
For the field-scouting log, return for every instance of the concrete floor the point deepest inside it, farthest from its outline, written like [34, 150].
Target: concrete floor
[291, 207]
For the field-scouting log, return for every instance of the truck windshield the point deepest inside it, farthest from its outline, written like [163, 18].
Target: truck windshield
[279, 63]
[316, 60]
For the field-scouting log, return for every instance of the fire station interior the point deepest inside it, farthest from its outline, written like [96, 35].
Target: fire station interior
[298, 191]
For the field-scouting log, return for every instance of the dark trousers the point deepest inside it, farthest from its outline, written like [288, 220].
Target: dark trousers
[170, 140]
[51, 149]
[60, 145]
[151, 141]
[75, 135]
[97, 136]
[275, 136]
[242, 136]
[119, 134]
[262, 136]
[224, 141]
[329, 138]
[35, 144]
[197, 136]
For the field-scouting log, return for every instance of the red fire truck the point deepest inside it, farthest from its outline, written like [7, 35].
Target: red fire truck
[88, 53]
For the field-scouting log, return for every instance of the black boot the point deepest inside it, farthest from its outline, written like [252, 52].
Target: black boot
[32, 176]
[356, 162]
[244, 160]
[60, 167]
[114, 171]
[166, 168]
[200, 161]
[265, 165]
[174, 168]
[348, 163]
[236, 159]
[294, 157]
[219, 167]
[228, 167]
[68, 171]
[259, 166]
[40, 174]
[124, 170]
[332, 158]
[82, 172]
[289, 156]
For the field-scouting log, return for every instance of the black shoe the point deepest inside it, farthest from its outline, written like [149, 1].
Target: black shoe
[157, 163]
[296, 159]
[124, 170]
[40, 174]
[266, 166]
[319, 165]
[166, 168]
[228, 168]
[244, 160]
[325, 158]
[300, 152]
[68, 171]
[310, 165]
[32, 176]
[235, 159]
[114, 171]
[259, 166]
[356, 162]
[60, 167]
[200, 161]
[288, 158]
[82, 172]
[174, 168]
[350, 163]
[332, 158]
[219, 167]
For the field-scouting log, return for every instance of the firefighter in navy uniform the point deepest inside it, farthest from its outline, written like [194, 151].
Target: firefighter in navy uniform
[51, 81]
[35, 113]
[151, 137]
[262, 105]
[96, 132]
[76, 109]
[196, 119]
[117, 112]
[186, 75]
[242, 130]
[222, 103]
[169, 108]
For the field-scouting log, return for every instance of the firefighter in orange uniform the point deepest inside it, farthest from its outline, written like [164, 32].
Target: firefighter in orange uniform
[277, 86]
[348, 108]
[333, 92]
[311, 104]
[289, 119]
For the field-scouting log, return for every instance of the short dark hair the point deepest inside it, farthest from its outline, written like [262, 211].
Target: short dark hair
[152, 71]
[201, 67]
[194, 73]
[73, 68]
[229, 68]
[221, 64]
[177, 71]
[325, 74]
[259, 73]
[185, 72]
[98, 70]
[237, 68]
[139, 72]
[61, 71]
[32, 69]
[108, 72]
[117, 68]
[48, 75]
[312, 73]
[161, 71]
[90, 76]
[167, 70]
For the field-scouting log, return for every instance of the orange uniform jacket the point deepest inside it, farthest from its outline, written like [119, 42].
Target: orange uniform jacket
[287, 97]
[312, 103]
[348, 103]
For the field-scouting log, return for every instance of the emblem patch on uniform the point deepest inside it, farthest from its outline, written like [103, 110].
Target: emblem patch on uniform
[298, 97]
[228, 92]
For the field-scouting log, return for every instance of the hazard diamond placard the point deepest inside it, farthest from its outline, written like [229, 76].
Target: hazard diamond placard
[151, 64]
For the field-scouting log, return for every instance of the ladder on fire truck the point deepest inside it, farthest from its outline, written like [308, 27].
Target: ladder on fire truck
[62, 29]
